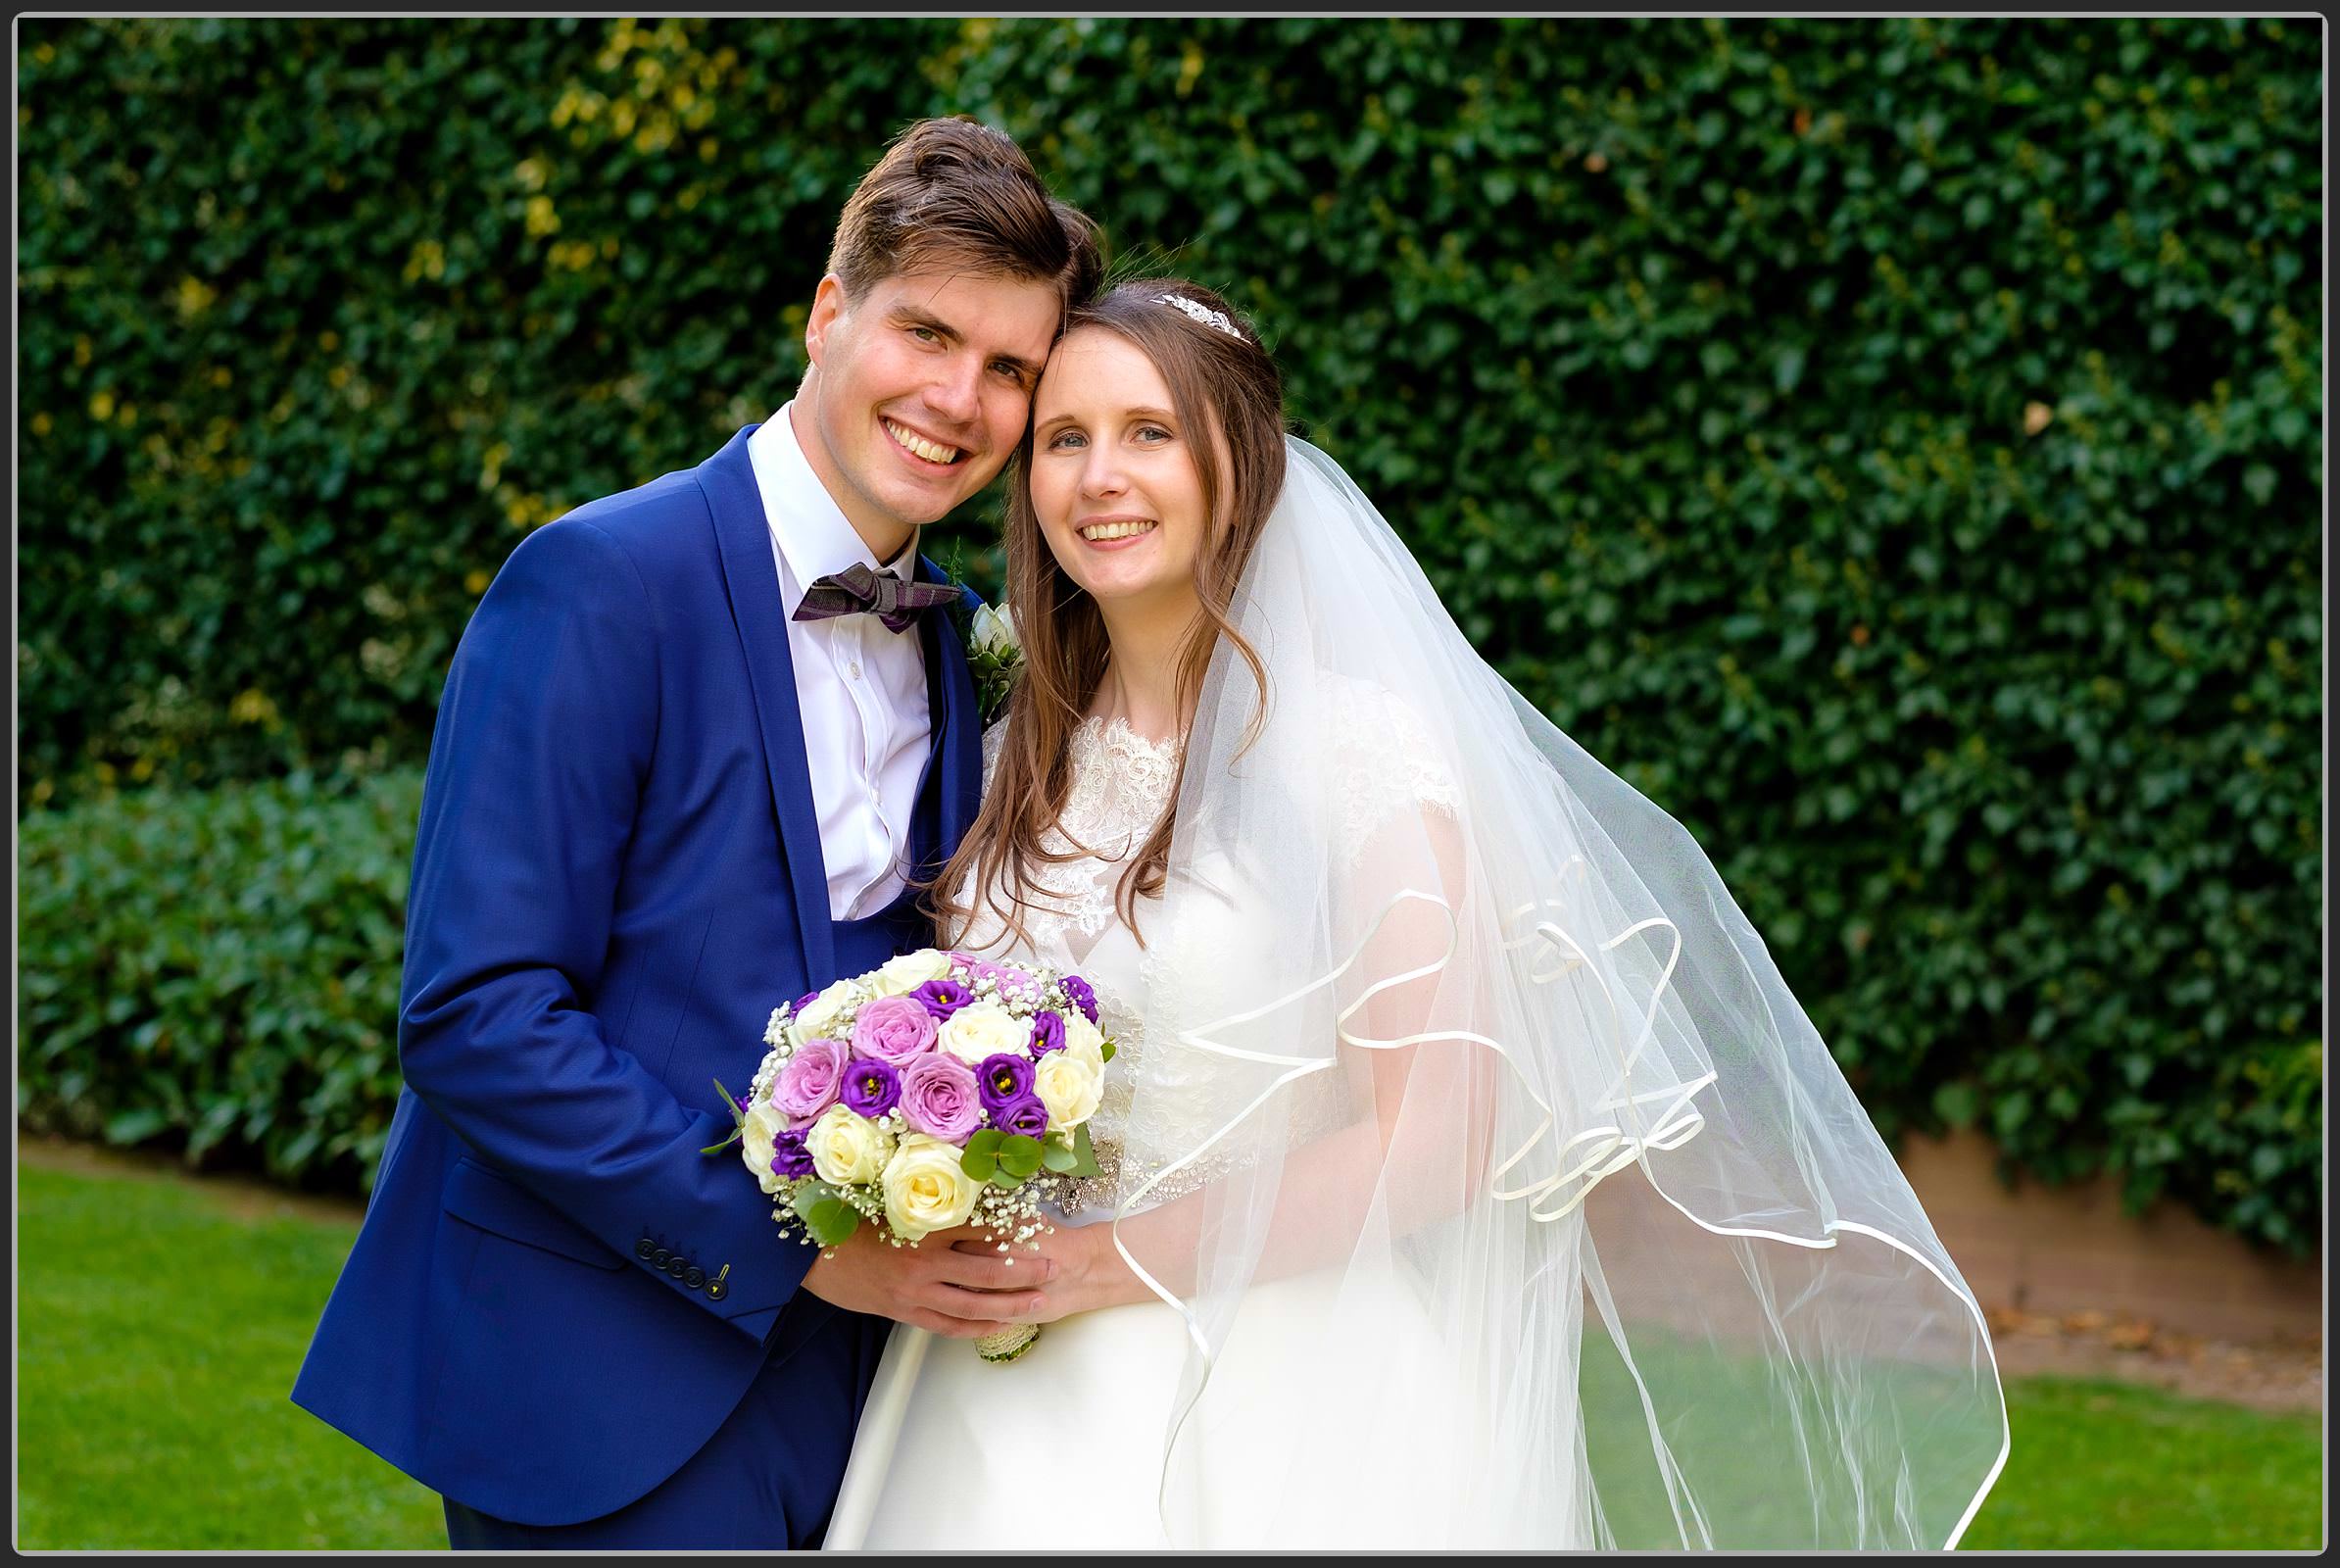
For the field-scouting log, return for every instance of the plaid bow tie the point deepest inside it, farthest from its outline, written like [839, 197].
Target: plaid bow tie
[858, 590]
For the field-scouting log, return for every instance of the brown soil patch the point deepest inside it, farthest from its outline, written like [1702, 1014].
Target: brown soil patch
[2272, 1374]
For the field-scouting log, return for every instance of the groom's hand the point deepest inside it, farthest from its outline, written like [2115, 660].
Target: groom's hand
[933, 1286]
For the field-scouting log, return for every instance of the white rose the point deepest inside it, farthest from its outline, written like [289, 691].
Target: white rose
[898, 977]
[822, 1010]
[984, 1029]
[848, 1148]
[1083, 1037]
[1069, 1084]
[756, 1148]
[926, 1188]
[994, 631]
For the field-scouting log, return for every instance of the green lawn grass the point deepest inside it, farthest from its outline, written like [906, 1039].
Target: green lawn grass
[2098, 1465]
[158, 1333]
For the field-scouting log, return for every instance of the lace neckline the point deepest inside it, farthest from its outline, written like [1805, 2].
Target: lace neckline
[1117, 739]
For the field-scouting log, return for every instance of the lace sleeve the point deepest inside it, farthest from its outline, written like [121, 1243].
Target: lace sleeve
[1385, 761]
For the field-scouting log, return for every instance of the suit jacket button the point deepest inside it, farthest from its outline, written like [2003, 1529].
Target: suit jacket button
[693, 1278]
[676, 1266]
[717, 1289]
[643, 1248]
[660, 1258]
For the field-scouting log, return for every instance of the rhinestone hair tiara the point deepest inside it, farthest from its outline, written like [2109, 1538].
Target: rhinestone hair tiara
[1200, 312]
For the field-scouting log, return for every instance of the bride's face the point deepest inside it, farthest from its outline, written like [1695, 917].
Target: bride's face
[1113, 476]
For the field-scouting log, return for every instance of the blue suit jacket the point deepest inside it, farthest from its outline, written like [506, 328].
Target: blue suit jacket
[556, 1298]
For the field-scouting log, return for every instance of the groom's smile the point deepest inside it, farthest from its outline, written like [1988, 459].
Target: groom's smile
[931, 453]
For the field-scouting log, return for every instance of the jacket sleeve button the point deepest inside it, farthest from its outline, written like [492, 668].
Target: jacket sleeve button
[643, 1248]
[660, 1258]
[676, 1266]
[693, 1278]
[717, 1289]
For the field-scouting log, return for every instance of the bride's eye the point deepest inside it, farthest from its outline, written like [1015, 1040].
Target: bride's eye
[1063, 440]
[1154, 433]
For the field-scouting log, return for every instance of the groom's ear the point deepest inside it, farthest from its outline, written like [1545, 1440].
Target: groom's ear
[828, 304]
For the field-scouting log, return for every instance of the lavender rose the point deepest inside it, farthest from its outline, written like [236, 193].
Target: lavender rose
[893, 1030]
[1027, 1116]
[1003, 1080]
[943, 997]
[1048, 1033]
[871, 1086]
[791, 1158]
[1077, 992]
[939, 1097]
[808, 1084]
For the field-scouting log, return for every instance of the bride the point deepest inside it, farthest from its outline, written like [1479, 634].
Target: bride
[1470, 1176]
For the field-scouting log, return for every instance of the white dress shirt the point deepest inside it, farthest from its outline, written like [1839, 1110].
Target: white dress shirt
[861, 689]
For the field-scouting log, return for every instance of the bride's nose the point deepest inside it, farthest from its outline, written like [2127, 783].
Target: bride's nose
[1101, 475]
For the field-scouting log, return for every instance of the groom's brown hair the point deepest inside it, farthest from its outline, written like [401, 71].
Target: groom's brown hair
[955, 193]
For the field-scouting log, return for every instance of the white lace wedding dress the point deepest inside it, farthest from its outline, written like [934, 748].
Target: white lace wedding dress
[1062, 1449]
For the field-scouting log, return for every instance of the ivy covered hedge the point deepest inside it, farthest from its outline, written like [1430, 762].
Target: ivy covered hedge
[1895, 444]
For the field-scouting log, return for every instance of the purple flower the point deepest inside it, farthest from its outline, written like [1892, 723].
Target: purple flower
[789, 1157]
[1077, 992]
[871, 1086]
[801, 1002]
[943, 997]
[939, 1097]
[894, 1029]
[1003, 1080]
[808, 1085]
[1048, 1033]
[1027, 1116]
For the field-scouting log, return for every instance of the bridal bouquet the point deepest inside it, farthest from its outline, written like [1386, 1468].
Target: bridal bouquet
[937, 1090]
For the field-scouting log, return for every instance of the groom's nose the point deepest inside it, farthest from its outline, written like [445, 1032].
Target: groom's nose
[956, 391]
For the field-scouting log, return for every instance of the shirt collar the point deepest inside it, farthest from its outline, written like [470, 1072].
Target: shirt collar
[813, 535]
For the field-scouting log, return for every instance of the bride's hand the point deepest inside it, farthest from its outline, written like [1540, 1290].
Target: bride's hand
[1079, 1263]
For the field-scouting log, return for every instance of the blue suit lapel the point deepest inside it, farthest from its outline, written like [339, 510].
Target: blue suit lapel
[752, 582]
[953, 775]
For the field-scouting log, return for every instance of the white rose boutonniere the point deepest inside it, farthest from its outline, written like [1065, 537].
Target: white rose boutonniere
[995, 657]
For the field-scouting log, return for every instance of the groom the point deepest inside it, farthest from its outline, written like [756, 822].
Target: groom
[693, 740]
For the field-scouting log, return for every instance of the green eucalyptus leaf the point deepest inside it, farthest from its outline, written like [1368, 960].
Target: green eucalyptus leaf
[1020, 1156]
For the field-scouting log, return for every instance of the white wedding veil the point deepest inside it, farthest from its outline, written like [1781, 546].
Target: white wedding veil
[1459, 1046]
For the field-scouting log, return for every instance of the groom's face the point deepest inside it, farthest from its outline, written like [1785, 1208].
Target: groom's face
[920, 389]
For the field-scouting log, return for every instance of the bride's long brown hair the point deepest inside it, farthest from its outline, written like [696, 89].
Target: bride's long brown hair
[1220, 384]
